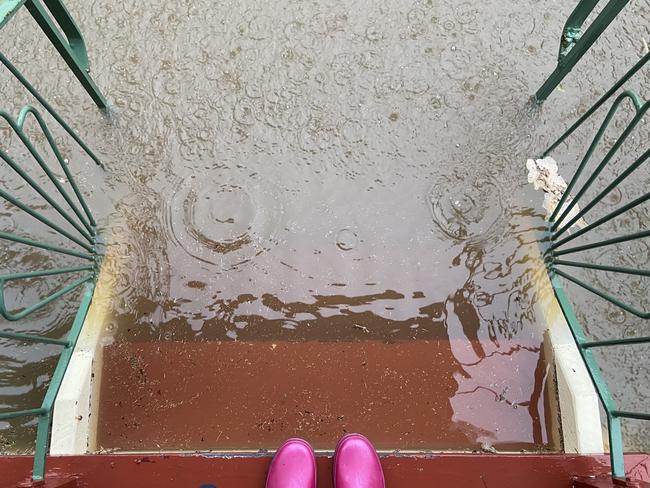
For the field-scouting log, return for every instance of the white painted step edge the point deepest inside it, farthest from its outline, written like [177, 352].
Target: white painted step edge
[582, 430]
[74, 422]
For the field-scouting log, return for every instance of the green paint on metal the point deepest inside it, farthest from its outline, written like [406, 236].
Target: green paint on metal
[45, 272]
[7, 10]
[614, 184]
[602, 267]
[60, 28]
[45, 418]
[84, 275]
[615, 87]
[606, 242]
[41, 303]
[32, 412]
[18, 130]
[8, 236]
[20, 122]
[597, 139]
[68, 41]
[617, 342]
[574, 44]
[632, 415]
[39, 216]
[573, 27]
[19, 336]
[34, 92]
[602, 220]
[606, 296]
[559, 224]
[606, 398]
[62, 31]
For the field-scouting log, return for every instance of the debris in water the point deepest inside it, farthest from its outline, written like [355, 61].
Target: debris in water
[485, 447]
[543, 173]
[362, 327]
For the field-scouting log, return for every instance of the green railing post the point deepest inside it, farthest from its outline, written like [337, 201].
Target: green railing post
[62, 31]
[574, 44]
[72, 49]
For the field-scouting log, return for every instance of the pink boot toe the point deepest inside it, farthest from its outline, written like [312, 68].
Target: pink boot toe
[356, 464]
[293, 466]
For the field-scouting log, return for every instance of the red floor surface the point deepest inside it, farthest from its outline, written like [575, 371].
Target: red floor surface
[239, 395]
[435, 471]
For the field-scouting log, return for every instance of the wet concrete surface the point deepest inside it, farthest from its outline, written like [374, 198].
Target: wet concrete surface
[295, 171]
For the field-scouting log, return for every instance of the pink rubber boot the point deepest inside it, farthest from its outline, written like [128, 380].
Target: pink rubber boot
[293, 466]
[356, 464]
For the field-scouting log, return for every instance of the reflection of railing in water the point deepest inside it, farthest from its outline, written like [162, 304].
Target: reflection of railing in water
[574, 43]
[560, 222]
[82, 233]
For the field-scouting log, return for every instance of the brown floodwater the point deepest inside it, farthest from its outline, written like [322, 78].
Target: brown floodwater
[325, 174]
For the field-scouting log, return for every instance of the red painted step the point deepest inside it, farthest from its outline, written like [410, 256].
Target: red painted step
[254, 395]
[435, 471]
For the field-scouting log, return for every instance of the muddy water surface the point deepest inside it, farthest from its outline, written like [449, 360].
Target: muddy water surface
[318, 171]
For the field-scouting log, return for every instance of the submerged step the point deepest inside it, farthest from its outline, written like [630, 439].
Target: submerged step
[254, 395]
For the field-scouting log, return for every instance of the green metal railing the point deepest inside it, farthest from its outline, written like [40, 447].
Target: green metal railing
[562, 245]
[84, 246]
[574, 43]
[60, 28]
[73, 222]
